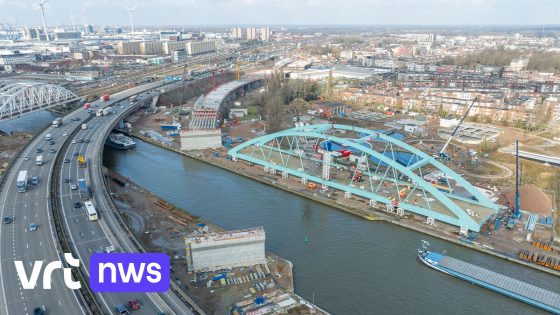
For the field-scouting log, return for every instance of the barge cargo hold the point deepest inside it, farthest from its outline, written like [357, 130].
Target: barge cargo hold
[515, 289]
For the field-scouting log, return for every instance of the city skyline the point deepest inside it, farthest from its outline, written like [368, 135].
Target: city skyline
[290, 12]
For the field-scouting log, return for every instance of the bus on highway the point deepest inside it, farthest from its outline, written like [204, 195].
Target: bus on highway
[92, 214]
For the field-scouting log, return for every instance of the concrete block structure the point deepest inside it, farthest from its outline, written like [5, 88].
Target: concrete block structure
[225, 250]
[200, 139]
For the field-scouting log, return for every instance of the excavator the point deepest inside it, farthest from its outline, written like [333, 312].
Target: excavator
[442, 155]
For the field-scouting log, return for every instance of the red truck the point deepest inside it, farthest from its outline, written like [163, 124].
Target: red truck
[87, 105]
[105, 98]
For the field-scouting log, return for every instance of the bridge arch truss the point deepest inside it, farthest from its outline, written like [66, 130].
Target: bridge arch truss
[22, 97]
[380, 168]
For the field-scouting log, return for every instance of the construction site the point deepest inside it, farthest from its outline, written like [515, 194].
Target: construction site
[231, 277]
[443, 178]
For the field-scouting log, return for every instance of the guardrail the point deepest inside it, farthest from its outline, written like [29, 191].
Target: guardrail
[85, 292]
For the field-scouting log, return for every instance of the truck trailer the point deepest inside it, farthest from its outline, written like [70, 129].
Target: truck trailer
[57, 122]
[84, 190]
[22, 181]
[107, 111]
[105, 98]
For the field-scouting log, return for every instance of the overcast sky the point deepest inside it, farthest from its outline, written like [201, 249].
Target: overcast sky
[286, 12]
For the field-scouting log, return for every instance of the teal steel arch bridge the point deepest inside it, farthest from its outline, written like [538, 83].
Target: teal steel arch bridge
[374, 165]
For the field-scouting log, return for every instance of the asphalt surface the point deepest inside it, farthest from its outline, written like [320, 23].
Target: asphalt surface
[19, 243]
[90, 236]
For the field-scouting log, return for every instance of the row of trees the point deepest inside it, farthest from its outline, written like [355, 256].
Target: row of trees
[538, 60]
[494, 57]
[280, 93]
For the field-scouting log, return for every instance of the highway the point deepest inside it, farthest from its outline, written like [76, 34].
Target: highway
[19, 243]
[34, 206]
[89, 236]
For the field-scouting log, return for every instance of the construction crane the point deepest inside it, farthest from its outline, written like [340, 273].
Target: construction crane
[238, 70]
[356, 176]
[445, 156]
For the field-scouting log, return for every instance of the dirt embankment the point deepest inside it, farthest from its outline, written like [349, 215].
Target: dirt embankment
[10, 146]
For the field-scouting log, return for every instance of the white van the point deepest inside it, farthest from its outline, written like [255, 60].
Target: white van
[48, 137]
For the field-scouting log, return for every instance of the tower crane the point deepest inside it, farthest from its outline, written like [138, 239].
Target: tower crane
[446, 156]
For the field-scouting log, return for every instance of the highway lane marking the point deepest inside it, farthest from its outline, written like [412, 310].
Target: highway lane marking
[103, 238]
[7, 193]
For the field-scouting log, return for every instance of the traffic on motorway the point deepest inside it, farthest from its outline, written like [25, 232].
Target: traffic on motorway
[65, 159]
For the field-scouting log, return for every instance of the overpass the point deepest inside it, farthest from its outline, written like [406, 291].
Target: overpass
[387, 172]
[209, 110]
[83, 237]
[23, 97]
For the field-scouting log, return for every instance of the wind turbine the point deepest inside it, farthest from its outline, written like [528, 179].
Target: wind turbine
[72, 16]
[83, 15]
[130, 9]
[42, 5]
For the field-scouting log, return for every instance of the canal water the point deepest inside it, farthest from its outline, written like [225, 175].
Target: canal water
[32, 123]
[349, 265]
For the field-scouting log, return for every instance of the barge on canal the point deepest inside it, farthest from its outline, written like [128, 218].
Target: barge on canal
[513, 288]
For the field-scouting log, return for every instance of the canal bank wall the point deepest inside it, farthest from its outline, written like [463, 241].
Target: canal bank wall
[379, 216]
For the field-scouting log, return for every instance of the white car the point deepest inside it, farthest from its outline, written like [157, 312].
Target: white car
[73, 187]
[64, 134]
[26, 158]
[74, 141]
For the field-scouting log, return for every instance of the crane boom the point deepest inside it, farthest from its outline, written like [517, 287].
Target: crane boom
[442, 152]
